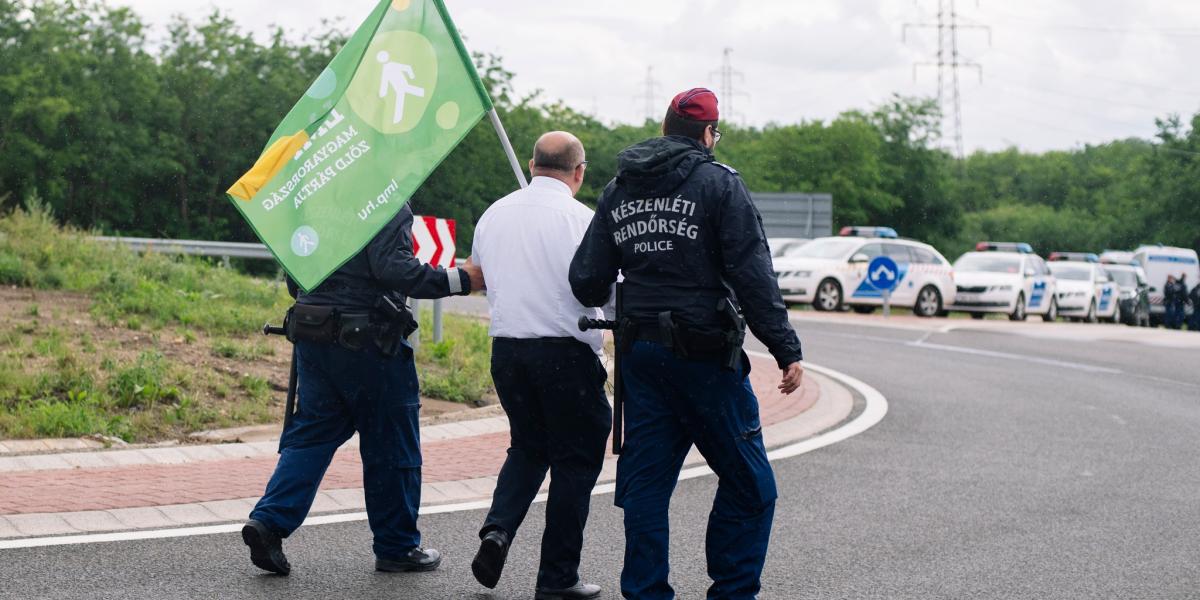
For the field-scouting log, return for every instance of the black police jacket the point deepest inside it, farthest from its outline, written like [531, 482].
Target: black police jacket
[683, 231]
[1175, 292]
[387, 265]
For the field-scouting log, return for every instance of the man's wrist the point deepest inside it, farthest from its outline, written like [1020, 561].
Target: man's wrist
[788, 360]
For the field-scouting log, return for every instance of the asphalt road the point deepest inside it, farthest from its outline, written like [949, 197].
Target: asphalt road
[1007, 467]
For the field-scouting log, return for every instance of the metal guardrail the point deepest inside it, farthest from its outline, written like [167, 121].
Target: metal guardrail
[228, 250]
[225, 250]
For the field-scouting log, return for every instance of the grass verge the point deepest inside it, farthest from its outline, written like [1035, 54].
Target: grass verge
[99, 340]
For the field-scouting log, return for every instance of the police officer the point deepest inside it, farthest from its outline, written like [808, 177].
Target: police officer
[1194, 298]
[682, 230]
[356, 373]
[1175, 302]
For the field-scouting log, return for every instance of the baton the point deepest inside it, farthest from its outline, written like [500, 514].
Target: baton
[289, 408]
[586, 324]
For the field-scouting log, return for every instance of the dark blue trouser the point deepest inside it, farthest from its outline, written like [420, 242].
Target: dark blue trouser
[559, 419]
[670, 404]
[342, 391]
[1175, 314]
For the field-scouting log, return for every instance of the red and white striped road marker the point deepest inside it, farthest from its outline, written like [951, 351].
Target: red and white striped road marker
[433, 241]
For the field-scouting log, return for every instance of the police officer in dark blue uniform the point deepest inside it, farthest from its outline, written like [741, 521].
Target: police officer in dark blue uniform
[356, 373]
[683, 231]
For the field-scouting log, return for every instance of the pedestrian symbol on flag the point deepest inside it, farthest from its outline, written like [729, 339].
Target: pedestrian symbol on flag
[395, 77]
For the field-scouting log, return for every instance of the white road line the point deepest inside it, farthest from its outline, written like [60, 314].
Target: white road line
[876, 409]
[1005, 355]
[922, 343]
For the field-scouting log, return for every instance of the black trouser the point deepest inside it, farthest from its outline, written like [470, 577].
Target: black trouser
[559, 418]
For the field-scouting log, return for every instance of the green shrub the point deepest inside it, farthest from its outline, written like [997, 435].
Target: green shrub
[143, 384]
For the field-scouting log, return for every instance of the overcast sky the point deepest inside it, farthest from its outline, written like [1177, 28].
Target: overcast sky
[1057, 74]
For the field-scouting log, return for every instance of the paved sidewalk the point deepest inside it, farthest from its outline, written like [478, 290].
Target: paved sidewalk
[114, 490]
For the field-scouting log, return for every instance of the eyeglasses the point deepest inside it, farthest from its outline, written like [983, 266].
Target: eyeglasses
[716, 135]
[582, 164]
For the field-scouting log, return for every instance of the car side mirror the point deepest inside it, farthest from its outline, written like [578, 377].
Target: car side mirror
[860, 258]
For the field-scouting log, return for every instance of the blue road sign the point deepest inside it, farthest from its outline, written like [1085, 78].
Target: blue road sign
[883, 274]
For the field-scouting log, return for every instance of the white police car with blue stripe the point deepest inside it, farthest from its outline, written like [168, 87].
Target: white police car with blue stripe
[831, 272]
[1007, 278]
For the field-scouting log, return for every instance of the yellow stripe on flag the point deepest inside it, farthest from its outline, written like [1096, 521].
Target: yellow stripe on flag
[270, 163]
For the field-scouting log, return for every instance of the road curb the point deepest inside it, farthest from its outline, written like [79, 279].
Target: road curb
[831, 412]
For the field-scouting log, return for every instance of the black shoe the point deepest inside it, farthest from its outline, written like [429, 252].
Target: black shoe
[489, 561]
[417, 559]
[266, 549]
[579, 590]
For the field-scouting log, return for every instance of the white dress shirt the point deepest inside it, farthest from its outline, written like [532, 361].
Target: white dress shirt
[524, 243]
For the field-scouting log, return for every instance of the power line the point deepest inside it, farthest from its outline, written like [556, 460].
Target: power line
[1097, 75]
[1085, 28]
[1055, 92]
[1072, 109]
[948, 30]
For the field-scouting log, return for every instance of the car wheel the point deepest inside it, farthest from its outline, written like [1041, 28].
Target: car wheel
[1018, 313]
[1051, 312]
[1091, 313]
[829, 296]
[1116, 318]
[977, 316]
[929, 302]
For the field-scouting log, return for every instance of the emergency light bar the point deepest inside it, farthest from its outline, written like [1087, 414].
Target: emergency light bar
[1075, 256]
[861, 231]
[1021, 247]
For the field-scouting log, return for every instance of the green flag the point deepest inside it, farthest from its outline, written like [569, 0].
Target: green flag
[386, 111]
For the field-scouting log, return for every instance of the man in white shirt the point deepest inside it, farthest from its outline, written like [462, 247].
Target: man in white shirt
[547, 372]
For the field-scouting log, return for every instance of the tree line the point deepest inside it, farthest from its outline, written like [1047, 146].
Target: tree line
[128, 134]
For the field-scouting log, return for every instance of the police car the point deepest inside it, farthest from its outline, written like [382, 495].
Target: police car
[783, 246]
[1086, 292]
[831, 272]
[1134, 299]
[1006, 278]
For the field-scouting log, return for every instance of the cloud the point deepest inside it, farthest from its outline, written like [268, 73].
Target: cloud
[1057, 74]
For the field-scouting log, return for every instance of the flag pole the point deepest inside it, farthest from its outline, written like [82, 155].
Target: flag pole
[508, 149]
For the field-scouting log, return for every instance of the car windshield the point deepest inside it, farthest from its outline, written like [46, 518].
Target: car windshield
[789, 249]
[1124, 278]
[823, 249]
[984, 262]
[1071, 272]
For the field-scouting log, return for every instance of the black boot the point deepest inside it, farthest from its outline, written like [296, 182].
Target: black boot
[266, 549]
[417, 559]
[489, 561]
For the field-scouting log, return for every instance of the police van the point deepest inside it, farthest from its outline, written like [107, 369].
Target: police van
[1086, 292]
[1159, 261]
[1006, 278]
[831, 272]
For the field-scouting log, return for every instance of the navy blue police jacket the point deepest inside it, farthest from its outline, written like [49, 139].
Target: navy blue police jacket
[684, 232]
[388, 266]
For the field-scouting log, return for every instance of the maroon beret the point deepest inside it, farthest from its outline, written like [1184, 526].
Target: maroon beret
[696, 104]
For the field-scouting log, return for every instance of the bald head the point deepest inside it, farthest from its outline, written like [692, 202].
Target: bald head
[559, 154]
